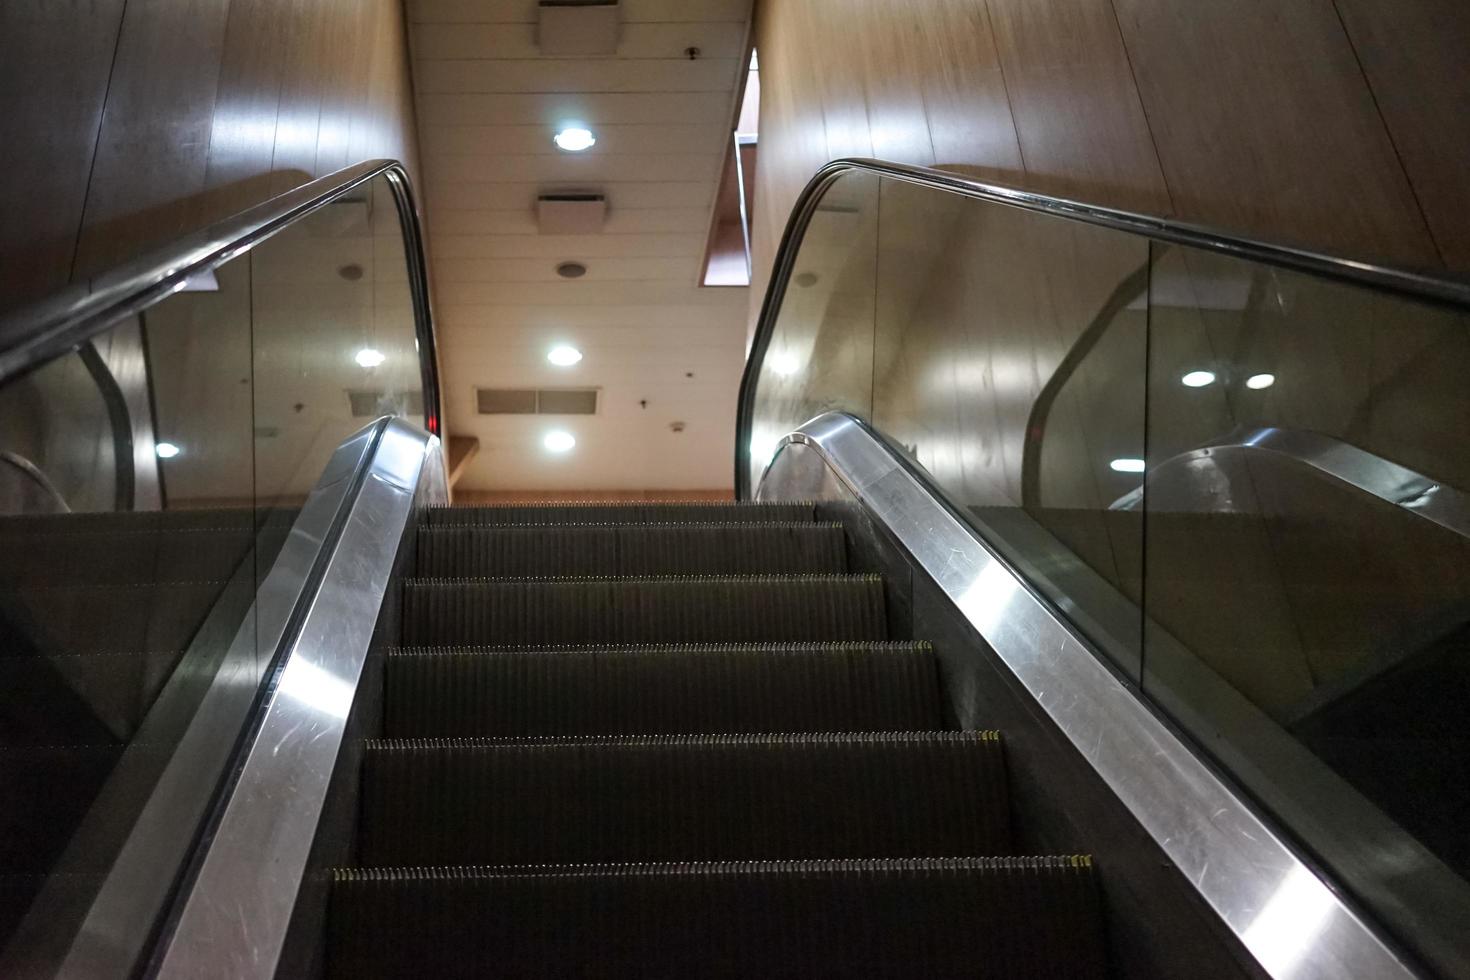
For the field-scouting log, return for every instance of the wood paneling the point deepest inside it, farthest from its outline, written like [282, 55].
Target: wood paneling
[474, 497]
[138, 125]
[1264, 123]
[1285, 122]
[1414, 55]
[54, 61]
[485, 246]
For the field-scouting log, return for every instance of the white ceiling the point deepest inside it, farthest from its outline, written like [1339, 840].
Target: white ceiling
[488, 104]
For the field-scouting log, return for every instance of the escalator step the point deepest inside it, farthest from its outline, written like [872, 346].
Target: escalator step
[661, 690]
[630, 513]
[732, 609]
[683, 798]
[740, 548]
[1034, 918]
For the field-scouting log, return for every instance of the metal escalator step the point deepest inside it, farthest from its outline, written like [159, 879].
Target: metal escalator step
[683, 798]
[661, 690]
[740, 548]
[676, 609]
[1022, 918]
[629, 513]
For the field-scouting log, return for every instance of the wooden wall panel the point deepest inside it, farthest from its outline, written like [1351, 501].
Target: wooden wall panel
[132, 124]
[54, 60]
[1415, 57]
[1337, 124]
[1264, 123]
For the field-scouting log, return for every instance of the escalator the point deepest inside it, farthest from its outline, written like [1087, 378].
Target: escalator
[1092, 605]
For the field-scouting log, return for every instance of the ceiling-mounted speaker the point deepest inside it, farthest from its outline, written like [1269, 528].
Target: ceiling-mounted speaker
[570, 214]
[578, 26]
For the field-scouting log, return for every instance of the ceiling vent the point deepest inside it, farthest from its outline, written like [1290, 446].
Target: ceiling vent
[570, 214]
[578, 26]
[533, 401]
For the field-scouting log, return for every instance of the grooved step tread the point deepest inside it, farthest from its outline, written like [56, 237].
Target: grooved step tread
[661, 689]
[1034, 918]
[682, 798]
[690, 609]
[689, 548]
[647, 512]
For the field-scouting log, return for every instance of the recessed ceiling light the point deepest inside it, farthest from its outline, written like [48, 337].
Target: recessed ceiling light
[1127, 465]
[369, 357]
[1198, 379]
[563, 355]
[166, 450]
[571, 270]
[1259, 381]
[574, 139]
[557, 441]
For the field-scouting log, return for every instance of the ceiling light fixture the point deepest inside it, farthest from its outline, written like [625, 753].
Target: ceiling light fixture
[166, 450]
[370, 357]
[1259, 381]
[1127, 465]
[563, 355]
[574, 139]
[558, 441]
[1198, 379]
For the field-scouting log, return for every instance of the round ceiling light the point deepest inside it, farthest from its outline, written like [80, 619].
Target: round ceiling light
[1198, 379]
[369, 357]
[574, 139]
[571, 270]
[563, 355]
[1127, 465]
[558, 441]
[1259, 381]
[166, 450]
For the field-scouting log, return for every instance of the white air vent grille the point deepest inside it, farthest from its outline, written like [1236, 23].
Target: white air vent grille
[533, 401]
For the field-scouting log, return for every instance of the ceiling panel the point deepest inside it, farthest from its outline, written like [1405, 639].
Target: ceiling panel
[576, 75]
[645, 40]
[450, 221]
[553, 108]
[524, 11]
[659, 347]
[574, 169]
[566, 246]
[708, 137]
[494, 197]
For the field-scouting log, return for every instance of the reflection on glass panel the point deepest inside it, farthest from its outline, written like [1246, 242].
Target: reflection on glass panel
[820, 356]
[1278, 552]
[334, 337]
[1010, 354]
[147, 484]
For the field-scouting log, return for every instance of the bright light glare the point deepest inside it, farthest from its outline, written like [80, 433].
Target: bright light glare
[1259, 381]
[1285, 931]
[558, 441]
[564, 356]
[317, 688]
[166, 450]
[369, 357]
[1127, 465]
[784, 364]
[762, 449]
[574, 139]
[1198, 379]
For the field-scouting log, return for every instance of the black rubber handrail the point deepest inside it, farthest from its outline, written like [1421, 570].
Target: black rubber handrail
[63, 322]
[1425, 286]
